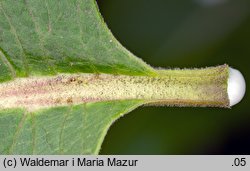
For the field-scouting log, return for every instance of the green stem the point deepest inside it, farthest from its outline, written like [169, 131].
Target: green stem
[195, 87]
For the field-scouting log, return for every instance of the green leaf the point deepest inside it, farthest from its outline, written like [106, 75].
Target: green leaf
[76, 129]
[64, 79]
[48, 38]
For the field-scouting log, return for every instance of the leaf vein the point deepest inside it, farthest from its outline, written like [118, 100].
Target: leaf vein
[7, 62]
[17, 132]
[90, 62]
[62, 128]
[33, 132]
[18, 41]
[37, 31]
[48, 15]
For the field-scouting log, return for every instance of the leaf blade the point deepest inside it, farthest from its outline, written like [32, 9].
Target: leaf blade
[72, 38]
[76, 129]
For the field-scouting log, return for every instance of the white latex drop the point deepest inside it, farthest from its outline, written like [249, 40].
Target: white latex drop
[236, 86]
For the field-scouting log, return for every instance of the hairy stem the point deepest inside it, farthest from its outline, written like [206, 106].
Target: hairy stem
[188, 87]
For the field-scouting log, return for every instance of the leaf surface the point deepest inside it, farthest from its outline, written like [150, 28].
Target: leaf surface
[47, 37]
[78, 129]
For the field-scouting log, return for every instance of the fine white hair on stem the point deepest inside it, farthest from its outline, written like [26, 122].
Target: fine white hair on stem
[236, 86]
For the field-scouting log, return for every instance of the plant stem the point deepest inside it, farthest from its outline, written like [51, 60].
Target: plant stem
[188, 87]
[195, 87]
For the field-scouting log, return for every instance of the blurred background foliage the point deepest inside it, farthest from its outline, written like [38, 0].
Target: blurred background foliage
[182, 33]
